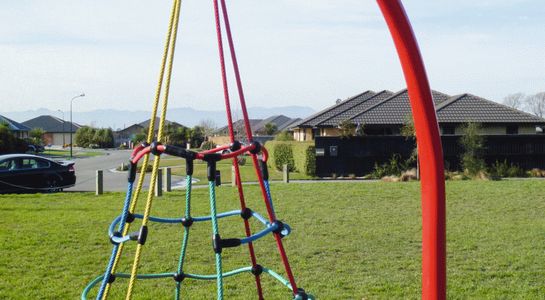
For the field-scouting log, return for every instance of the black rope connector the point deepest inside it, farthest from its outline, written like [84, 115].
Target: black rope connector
[189, 167]
[132, 171]
[143, 235]
[257, 270]
[301, 294]
[111, 278]
[130, 218]
[246, 213]
[180, 152]
[211, 157]
[115, 234]
[264, 169]
[179, 277]
[211, 171]
[234, 146]
[257, 147]
[279, 227]
[153, 148]
[187, 222]
[218, 243]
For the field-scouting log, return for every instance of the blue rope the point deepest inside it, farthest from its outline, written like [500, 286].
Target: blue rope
[115, 248]
[186, 234]
[268, 190]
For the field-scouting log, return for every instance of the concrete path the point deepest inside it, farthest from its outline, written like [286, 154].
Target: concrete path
[113, 181]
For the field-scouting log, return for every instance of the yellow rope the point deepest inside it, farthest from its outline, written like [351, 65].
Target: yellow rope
[156, 162]
[150, 136]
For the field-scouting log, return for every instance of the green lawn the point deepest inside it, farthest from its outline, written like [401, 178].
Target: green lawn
[349, 241]
[55, 153]
[247, 171]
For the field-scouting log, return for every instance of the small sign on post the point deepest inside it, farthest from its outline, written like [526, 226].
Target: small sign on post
[168, 179]
[159, 183]
[286, 173]
[99, 182]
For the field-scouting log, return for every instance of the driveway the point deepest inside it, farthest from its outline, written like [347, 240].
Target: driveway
[113, 181]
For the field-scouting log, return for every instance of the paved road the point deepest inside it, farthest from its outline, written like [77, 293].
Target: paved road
[113, 181]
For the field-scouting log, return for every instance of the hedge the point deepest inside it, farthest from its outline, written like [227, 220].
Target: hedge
[299, 156]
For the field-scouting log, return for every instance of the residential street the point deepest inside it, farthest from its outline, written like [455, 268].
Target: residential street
[113, 181]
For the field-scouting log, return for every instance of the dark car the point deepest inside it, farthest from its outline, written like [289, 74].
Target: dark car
[30, 173]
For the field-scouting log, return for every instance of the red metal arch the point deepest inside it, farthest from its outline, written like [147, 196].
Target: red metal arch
[429, 150]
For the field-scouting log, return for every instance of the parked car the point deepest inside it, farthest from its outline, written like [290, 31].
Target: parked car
[35, 148]
[29, 173]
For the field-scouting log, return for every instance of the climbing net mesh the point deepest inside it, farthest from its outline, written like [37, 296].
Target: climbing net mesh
[119, 230]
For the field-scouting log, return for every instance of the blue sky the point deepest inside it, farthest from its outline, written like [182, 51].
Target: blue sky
[291, 52]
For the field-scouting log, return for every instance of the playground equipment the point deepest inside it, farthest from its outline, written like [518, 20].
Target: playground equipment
[431, 168]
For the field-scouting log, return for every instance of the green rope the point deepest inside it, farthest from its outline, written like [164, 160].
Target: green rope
[215, 230]
[188, 182]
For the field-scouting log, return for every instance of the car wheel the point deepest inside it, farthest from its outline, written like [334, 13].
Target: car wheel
[52, 185]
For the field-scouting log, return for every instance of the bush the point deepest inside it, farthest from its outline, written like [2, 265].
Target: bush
[208, 145]
[504, 169]
[89, 137]
[394, 167]
[283, 155]
[303, 156]
[473, 145]
[284, 136]
[9, 143]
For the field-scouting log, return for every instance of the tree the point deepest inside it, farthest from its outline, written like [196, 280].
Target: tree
[515, 100]
[284, 136]
[9, 143]
[208, 126]
[536, 104]
[197, 136]
[347, 128]
[36, 136]
[360, 129]
[473, 144]
[88, 136]
[270, 128]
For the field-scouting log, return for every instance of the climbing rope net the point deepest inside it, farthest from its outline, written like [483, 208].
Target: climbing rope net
[119, 230]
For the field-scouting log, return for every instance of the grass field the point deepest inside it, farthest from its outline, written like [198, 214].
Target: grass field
[349, 241]
[56, 153]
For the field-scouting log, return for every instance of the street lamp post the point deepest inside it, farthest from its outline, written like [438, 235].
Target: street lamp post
[63, 132]
[71, 123]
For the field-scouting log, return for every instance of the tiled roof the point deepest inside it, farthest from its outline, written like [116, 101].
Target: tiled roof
[278, 120]
[238, 124]
[470, 108]
[14, 126]
[317, 118]
[354, 113]
[146, 123]
[51, 124]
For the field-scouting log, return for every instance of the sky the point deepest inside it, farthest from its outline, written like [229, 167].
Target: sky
[290, 52]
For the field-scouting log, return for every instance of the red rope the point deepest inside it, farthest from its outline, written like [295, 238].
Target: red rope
[232, 138]
[270, 211]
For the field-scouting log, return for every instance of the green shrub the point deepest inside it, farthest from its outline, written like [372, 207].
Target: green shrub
[284, 136]
[504, 169]
[283, 155]
[303, 156]
[393, 167]
[208, 145]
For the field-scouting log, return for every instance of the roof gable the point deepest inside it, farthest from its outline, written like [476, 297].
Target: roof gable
[331, 111]
[51, 124]
[12, 125]
[470, 108]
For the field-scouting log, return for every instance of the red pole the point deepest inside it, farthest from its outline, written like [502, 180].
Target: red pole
[429, 149]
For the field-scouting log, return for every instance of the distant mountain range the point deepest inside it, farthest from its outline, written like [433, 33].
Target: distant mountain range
[119, 119]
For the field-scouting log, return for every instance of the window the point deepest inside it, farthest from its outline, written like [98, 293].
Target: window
[28, 163]
[512, 129]
[448, 130]
[7, 165]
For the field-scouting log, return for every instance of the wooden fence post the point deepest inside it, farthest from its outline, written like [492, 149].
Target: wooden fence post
[159, 184]
[168, 179]
[286, 173]
[233, 176]
[99, 182]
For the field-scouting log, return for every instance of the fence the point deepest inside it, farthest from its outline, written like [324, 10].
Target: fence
[358, 155]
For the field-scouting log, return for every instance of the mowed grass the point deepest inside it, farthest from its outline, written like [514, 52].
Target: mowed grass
[247, 171]
[56, 153]
[349, 241]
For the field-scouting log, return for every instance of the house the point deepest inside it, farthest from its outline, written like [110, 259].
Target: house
[385, 113]
[126, 135]
[18, 129]
[281, 122]
[57, 131]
